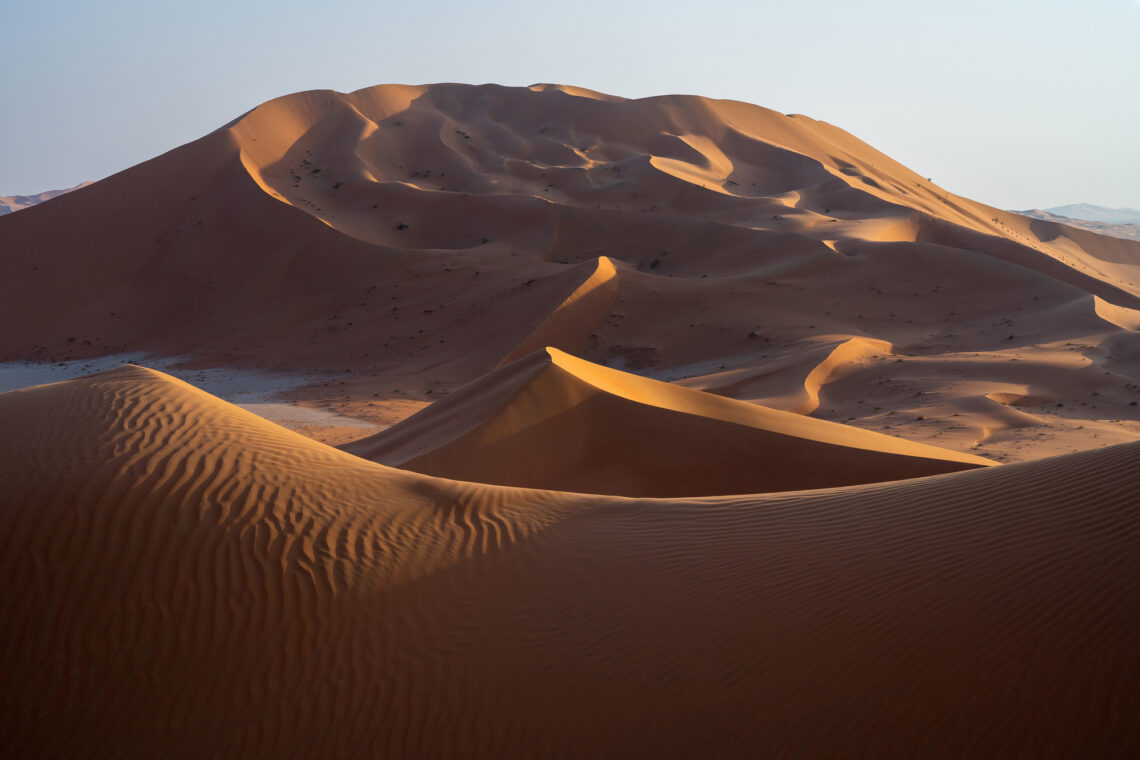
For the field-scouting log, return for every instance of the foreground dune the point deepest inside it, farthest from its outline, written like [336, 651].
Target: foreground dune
[13, 203]
[553, 421]
[179, 578]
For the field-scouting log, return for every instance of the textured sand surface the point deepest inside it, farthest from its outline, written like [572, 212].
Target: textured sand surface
[415, 238]
[553, 421]
[180, 578]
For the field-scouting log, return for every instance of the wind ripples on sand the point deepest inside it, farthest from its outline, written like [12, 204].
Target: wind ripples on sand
[181, 578]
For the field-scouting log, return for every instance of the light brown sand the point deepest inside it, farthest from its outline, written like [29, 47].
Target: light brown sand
[652, 235]
[656, 234]
[180, 578]
[552, 421]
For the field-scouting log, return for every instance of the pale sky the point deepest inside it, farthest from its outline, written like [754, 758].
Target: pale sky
[1016, 104]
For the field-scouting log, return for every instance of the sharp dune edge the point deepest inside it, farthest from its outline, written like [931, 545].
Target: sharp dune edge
[183, 579]
[569, 324]
[554, 421]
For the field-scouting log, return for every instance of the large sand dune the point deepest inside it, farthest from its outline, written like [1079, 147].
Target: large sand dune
[416, 237]
[553, 421]
[179, 578]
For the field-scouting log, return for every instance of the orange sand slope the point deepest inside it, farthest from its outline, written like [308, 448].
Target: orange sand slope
[181, 579]
[553, 421]
[418, 237]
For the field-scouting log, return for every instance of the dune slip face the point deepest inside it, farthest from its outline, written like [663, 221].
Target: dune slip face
[413, 238]
[181, 578]
[554, 421]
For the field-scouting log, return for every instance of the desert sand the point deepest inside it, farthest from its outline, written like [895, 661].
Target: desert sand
[552, 421]
[715, 432]
[411, 239]
[184, 579]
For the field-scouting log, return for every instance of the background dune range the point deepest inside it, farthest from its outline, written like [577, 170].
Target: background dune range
[409, 239]
[618, 514]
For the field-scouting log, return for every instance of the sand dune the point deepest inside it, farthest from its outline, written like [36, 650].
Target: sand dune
[183, 579]
[1119, 229]
[11, 203]
[553, 421]
[416, 237]
[1094, 213]
[572, 322]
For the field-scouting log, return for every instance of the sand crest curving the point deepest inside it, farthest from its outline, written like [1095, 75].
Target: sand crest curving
[553, 421]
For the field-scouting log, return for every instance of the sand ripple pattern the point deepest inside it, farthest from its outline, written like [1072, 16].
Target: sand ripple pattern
[181, 579]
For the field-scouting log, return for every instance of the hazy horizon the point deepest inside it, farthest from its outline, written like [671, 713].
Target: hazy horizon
[1022, 106]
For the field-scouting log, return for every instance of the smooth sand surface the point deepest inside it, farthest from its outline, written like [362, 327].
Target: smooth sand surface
[553, 421]
[410, 239]
[180, 578]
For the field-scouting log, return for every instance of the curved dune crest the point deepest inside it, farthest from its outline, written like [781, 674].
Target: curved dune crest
[181, 579]
[843, 358]
[1121, 316]
[551, 420]
[569, 325]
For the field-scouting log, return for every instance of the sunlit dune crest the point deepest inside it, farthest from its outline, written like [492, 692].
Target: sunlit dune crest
[553, 421]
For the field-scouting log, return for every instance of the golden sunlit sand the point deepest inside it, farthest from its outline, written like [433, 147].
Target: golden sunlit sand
[556, 422]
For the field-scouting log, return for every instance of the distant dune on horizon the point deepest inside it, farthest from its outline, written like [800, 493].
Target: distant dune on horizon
[1125, 231]
[1093, 213]
[12, 203]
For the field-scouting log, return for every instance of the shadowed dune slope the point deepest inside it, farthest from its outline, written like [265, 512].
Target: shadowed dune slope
[551, 420]
[181, 579]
